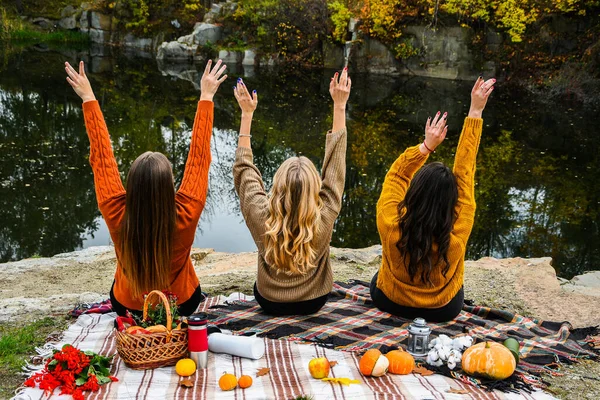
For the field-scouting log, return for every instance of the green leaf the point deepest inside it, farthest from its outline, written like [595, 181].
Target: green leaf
[81, 380]
[103, 379]
[103, 371]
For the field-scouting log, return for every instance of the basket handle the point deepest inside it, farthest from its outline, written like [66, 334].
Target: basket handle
[166, 303]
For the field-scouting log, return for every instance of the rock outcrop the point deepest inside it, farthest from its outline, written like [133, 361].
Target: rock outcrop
[38, 287]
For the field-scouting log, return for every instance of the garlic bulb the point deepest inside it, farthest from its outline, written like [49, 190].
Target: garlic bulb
[444, 350]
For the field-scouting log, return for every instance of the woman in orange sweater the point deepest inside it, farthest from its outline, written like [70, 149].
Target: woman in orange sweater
[151, 225]
[424, 222]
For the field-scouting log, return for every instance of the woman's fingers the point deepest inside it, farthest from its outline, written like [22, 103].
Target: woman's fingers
[443, 135]
[222, 79]
[442, 121]
[72, 74]
[487, 85]
[207, 68]
[68, 67]
[254, 97]
[435, 119]
[344, 77]
[216, 68]
[73, 84]
[489, 91]
[349, 84]
[81, 68]
[223, 68]
[478, 83]
[72, 69]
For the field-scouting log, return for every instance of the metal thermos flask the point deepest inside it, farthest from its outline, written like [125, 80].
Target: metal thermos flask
[198, 339]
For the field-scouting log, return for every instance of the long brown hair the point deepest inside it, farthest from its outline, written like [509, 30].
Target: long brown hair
[149, 222]
[426, 217]
[294, 215]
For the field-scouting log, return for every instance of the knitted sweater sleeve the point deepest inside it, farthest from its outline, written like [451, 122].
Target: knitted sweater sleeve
[464, 171]
[195, 177]
[396, 184]
[107, 179]
[333, 173]
[250, 188]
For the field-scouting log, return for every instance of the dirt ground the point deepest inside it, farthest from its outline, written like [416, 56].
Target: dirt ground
[42, 287]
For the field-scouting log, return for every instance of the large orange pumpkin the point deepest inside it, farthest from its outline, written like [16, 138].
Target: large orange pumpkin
[489, 360]
[401, 362]
[373, 363]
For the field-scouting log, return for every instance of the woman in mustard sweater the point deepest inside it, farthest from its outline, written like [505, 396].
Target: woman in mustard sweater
[424, 222]
[151, 224]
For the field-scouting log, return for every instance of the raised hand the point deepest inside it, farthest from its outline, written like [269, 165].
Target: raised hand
[79, 82]
[247, 101]
[435, 131]
[211, 80]
[479, 95]
[339, 88]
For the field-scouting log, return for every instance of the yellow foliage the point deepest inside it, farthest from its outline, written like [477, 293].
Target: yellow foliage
[341, 381]
[340, 16]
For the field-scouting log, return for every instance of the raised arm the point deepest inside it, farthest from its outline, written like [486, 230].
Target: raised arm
[466, 157]
[333, 173]
[247, 179]
[195, 178]
[404, 168]
[107, 180]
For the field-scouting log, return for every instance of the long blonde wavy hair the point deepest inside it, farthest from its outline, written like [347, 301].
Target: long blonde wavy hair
[294, 215]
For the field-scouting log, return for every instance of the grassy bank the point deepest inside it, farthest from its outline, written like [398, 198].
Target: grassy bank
[17, 344]
[13, 28]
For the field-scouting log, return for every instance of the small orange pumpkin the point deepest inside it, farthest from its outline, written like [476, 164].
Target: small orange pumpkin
[228, 382]
[401, 362]
[245, 381]
[373, 363]
[489, 360]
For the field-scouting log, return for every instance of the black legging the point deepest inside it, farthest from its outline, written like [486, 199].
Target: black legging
[294, 308]
[186, 308]
[442, 314]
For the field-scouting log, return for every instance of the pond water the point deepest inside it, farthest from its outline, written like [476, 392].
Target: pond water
[538, 179]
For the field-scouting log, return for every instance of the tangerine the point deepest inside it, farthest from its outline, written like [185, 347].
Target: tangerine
[185, 367]
[245, 381]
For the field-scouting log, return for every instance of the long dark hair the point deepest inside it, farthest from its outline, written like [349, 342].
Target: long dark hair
[426, 217]
[149, 222]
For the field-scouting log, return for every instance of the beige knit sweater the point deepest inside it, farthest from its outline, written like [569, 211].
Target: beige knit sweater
[255, 208]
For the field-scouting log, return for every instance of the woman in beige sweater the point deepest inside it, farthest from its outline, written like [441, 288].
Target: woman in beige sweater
[292, 224]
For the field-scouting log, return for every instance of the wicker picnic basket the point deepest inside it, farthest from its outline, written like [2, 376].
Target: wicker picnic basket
[154, 350]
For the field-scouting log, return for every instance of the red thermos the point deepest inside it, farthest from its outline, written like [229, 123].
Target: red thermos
[198, 339]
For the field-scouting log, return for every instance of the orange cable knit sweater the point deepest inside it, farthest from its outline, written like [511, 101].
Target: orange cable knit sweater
[394, 279]
[189, 200]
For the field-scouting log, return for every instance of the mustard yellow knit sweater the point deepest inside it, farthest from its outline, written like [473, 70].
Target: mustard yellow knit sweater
[394, 279]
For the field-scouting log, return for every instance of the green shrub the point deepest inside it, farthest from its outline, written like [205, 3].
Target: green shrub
[14, 28]
[291, 29]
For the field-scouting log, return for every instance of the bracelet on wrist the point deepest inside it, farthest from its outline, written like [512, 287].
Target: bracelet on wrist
[244, 135]
[428, 149]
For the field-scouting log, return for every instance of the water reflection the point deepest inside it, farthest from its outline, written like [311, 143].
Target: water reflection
[538, 191]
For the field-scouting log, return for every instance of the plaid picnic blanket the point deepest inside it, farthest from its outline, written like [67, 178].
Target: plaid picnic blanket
[288, 376]
[350, 322]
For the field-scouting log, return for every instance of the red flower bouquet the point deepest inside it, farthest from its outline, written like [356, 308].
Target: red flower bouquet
[75, 371]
